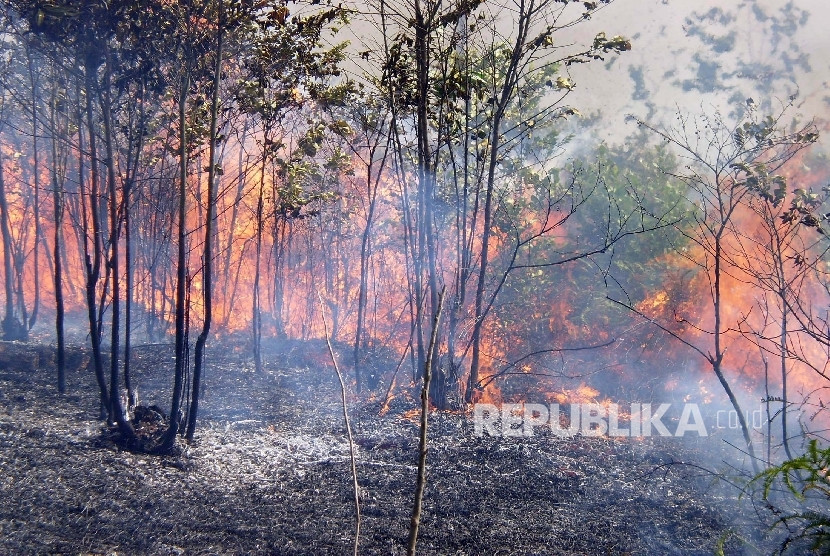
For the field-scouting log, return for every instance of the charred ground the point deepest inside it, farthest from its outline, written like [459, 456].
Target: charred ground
[268, 473]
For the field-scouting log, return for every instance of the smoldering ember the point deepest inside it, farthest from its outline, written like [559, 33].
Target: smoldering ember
[460, 277]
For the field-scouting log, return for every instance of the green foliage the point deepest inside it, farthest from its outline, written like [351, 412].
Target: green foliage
[308, 178]
[760, 131]
[806, 479]
[757, 178]
[310, 143]
[570, 301]
[804, 209]
[761, 150]
[286, 61]
[289, 71]
[397, 78]
[625, 179]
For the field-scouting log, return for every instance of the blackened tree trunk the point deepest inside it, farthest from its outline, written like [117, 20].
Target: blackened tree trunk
[783, 291]
[13, 329]
[34, 81]
[181, 273]
[505, 95]
[116, 410]
[716, 359]
[207, 269]
[281, 231]
[92, 238]
[135, 144]
[57, 177]
[128, 298]
[424, 21]
[415, 520]
[256, 309]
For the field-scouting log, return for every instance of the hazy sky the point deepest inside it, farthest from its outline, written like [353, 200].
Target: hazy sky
[680, 59]
[668, 54]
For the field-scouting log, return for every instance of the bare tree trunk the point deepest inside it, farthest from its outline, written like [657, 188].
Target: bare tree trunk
[426, 181]
[782, 289]
[472, 381]
[181, 274]
[415, 521]
[465, 227]
[57, 207]
[126, 203]
[413, 266]
[32, 320]
[116, 410]
[128, 299]
[207, 272]
[280, 248]
[511, 78]
[93, 260]
[716, 359]
[12, 327]
[360, 326]
[256, 309]
[360, 340]
[237, 202]
[344, 405]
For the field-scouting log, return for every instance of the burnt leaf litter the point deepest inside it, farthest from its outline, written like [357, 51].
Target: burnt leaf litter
[268, 473]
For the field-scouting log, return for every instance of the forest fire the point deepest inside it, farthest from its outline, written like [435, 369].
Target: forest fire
[292, 258]
[230, 216]
[287, 300]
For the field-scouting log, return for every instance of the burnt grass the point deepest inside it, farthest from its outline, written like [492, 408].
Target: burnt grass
[268, 473]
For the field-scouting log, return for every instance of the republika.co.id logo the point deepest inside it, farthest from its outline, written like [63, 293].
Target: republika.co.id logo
[588, 419]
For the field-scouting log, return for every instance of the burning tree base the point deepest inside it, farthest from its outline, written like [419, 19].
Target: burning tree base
[271, 475]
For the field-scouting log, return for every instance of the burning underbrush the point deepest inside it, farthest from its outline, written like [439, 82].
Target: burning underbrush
[269, 473]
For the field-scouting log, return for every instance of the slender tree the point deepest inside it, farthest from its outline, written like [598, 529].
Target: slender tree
[207, 256]
[723, 162]
[58, 124]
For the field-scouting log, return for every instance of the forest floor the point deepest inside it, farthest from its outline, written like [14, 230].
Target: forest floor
[268, 473]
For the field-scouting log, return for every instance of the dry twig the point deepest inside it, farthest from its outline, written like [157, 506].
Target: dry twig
[348, 426]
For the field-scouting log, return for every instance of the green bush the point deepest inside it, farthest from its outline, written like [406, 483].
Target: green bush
[807, 479]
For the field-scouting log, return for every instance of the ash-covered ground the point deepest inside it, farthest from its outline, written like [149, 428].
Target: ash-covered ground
[268, 473]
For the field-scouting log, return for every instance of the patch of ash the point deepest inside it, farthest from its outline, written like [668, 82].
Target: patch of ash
[268, 473]
[232, 458]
